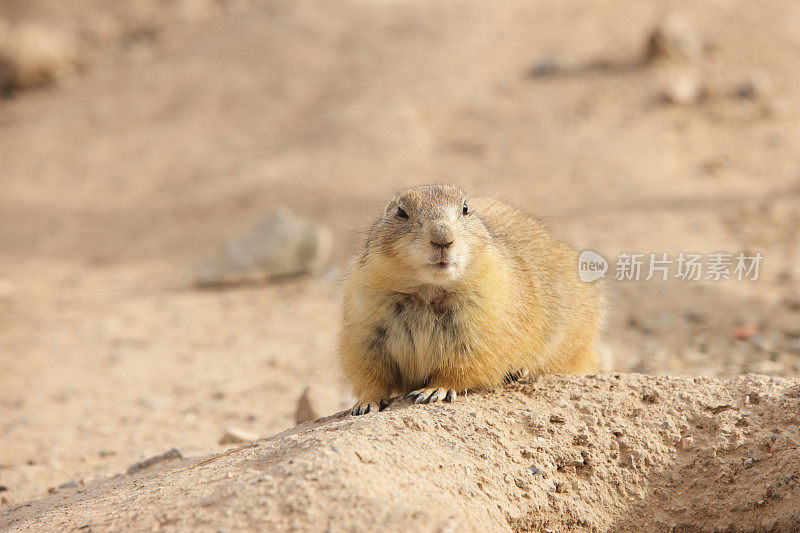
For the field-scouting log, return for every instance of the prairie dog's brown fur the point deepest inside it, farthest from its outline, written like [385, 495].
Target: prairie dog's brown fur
[441, 302]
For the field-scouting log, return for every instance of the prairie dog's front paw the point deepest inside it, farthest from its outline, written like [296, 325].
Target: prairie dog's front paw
[516, 376]
[433, 394]
[362, 408]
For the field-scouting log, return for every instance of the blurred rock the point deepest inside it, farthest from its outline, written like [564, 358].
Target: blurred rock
[169, 455]
[237, 436]
[685, 90]
[673, 38]
[151, 402]
[744, 331]
[545, 67]
[695, 317]
[773, 108]
[34, 55]
[753, 87]
[792, 302]
[716, 165]
[305, 408]
[280, 245]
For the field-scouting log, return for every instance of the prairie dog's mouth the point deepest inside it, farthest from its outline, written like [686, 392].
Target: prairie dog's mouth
[441, 265]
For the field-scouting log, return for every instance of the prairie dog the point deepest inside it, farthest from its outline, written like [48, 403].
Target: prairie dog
[452, 294]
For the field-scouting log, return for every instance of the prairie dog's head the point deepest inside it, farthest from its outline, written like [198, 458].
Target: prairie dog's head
[428, 235]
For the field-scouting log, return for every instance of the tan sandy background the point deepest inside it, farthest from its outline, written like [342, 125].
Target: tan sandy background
[138, 138]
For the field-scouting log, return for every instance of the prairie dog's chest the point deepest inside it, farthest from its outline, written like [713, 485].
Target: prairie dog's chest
[421, 333]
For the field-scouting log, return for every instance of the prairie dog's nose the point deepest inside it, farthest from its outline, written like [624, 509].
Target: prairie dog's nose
[441, 235]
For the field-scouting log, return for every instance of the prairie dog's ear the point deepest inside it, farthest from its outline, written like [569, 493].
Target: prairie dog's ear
[391, 207]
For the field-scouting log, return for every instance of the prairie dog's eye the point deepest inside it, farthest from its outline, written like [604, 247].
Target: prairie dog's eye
[464, 209]
[401, 213]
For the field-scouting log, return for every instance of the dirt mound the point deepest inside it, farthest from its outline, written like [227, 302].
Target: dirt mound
[626, 452]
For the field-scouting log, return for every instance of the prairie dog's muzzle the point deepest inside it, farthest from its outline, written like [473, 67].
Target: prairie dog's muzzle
[442, 234]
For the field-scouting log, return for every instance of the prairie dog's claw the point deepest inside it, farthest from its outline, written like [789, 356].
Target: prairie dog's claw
[516, 376]
[362, 408]
[433, 394]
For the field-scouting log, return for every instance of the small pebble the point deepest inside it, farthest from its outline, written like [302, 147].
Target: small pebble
[744, 331]
[169, 455]
[685, 90]
[237, 436]
[752, 87]
[673, 38]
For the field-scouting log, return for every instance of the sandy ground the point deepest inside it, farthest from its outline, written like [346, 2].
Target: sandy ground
[118, 181]
[622, 453]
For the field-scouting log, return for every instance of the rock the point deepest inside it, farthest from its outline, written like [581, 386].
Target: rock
[792, 302]
[713, 166]
[237, 436]
[684, 90]
[545, 68]
[744, 331]
[34, 55]
[673, 38]
[753, 87]
[305, 409]
[151, 402]
[279, 245]
[169, 455]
